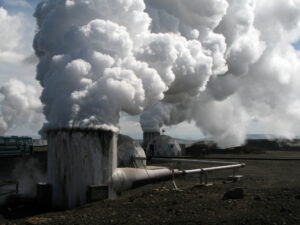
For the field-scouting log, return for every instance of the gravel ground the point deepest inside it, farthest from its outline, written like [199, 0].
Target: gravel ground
[269, 193]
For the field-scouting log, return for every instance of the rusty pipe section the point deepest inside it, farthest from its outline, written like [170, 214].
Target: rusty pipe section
[129, 178]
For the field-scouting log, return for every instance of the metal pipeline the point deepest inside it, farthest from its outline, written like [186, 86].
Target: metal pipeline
[129, 178]
[192, 161]
[209, 169]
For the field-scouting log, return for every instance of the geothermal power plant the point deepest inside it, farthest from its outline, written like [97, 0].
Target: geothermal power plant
[82, 166]
[83, 162]
[208, 85]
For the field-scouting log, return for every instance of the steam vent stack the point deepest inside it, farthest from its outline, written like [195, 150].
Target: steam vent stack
[148, 136]
[77, 159]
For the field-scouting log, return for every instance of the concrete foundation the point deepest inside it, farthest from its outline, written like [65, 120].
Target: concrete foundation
[77, 159]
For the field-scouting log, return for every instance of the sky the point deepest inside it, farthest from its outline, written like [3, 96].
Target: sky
[17, 61]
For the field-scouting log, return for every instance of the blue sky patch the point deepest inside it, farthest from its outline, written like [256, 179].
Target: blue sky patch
[297, 45]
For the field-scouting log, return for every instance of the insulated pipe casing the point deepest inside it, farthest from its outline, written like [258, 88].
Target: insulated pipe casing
[129, 178]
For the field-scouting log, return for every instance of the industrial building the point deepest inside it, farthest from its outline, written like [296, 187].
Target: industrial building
[165, 146]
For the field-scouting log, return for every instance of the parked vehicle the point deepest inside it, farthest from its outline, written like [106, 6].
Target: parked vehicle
[15, 146]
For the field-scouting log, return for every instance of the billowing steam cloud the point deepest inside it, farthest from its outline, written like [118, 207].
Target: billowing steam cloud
[263, 67]
[98, 58]
[18, 105]
[220, 63]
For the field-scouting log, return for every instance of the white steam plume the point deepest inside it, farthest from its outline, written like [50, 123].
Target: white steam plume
[220, 63]
[262, 79]
[100, 57]
[18, 105]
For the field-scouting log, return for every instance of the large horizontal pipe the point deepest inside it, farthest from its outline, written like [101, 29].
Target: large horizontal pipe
[129, 178]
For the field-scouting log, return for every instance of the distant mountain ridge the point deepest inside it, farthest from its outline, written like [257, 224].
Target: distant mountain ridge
[265, 136]
[249, 137]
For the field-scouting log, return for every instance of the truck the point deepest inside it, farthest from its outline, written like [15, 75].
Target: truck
[15, 146]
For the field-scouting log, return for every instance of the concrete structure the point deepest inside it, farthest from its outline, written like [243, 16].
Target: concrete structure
[148, 136]
[77, 159]
[164, 146]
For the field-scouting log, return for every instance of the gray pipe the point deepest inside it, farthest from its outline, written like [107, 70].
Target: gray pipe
[209, 169]
[129, 178]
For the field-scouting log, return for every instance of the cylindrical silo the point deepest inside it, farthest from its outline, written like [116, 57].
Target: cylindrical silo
[78, 158]
[148, 136]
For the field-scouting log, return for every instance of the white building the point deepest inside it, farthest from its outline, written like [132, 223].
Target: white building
[165, 146]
